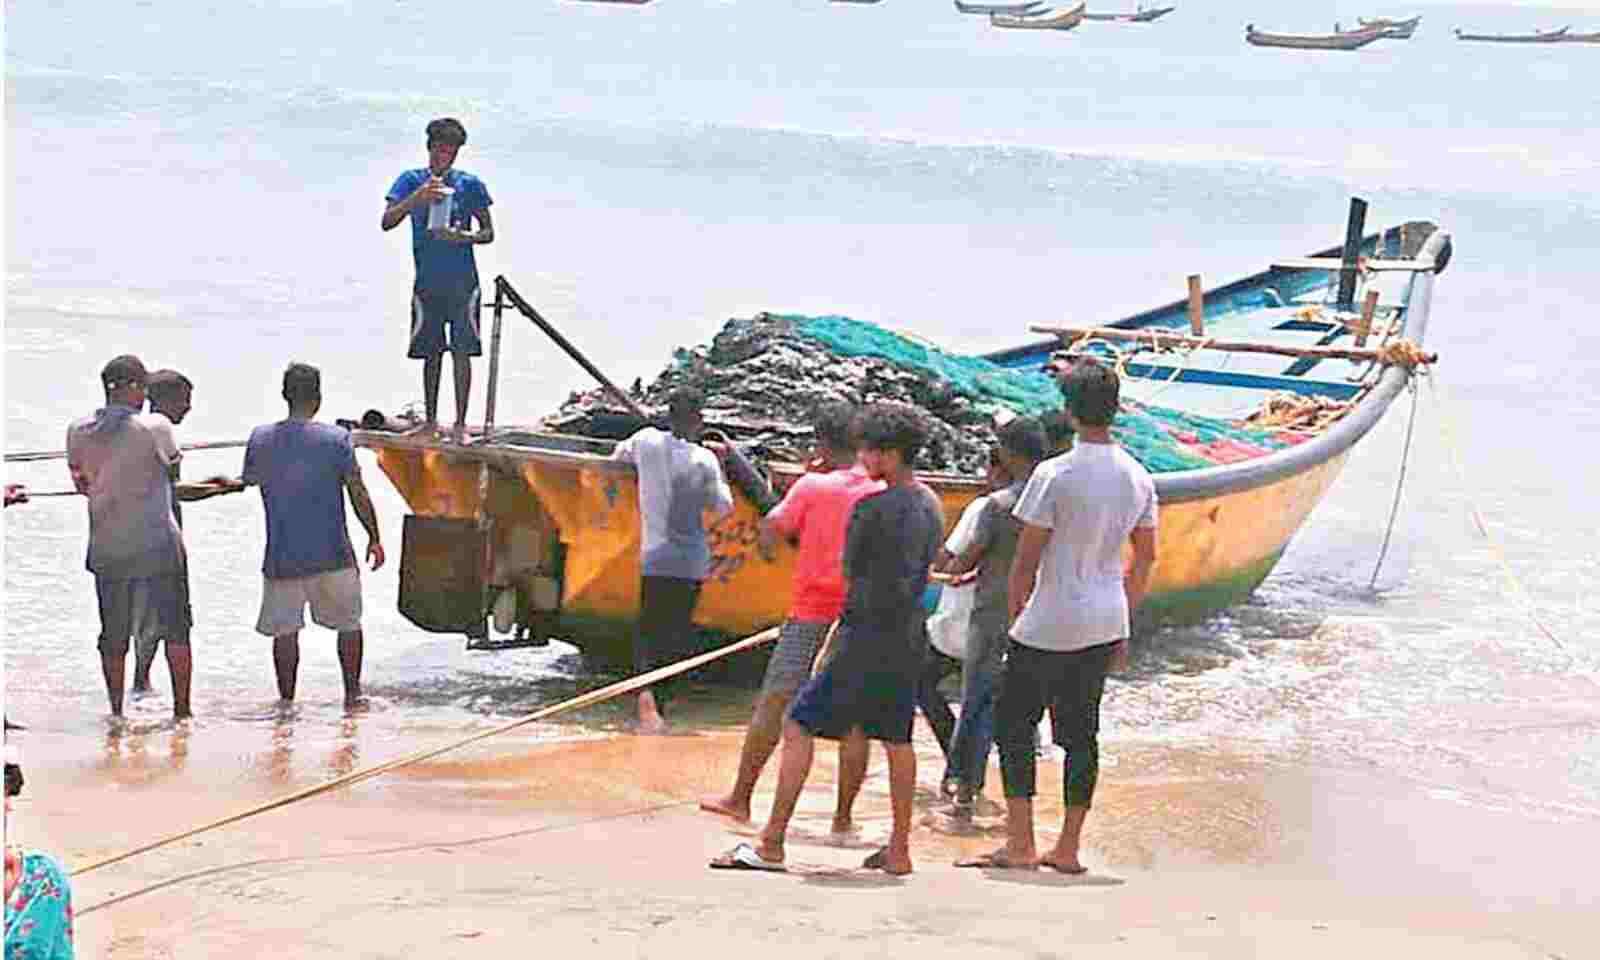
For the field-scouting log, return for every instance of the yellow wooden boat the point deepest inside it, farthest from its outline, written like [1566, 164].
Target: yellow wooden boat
[553, 512]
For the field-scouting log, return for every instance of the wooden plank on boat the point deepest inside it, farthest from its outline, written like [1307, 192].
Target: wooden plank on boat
[1169, 339]
[1369, 306]
[1197, 306]
[1335, 263]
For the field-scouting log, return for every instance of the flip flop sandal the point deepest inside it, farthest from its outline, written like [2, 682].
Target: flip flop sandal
[746, 857]
[1069, 871]
[994, 861]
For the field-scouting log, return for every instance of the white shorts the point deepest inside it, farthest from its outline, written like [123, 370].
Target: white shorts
[334, 598]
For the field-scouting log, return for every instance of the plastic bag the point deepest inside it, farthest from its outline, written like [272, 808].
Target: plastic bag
[947, 628]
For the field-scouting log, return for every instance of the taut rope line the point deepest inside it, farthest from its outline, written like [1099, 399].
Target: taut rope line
[589, 699]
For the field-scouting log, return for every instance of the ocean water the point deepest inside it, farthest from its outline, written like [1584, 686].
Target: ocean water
[201, 184]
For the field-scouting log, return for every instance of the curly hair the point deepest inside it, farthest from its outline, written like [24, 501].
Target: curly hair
[834, 425]
[893, 426]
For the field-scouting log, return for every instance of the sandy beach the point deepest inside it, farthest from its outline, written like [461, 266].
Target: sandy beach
[596, 846]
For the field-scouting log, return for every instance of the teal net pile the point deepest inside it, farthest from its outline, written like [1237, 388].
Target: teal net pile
[1161, 438]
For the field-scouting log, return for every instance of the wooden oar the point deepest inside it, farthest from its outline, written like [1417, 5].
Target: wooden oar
[589, 699]
[1158, 339]
[28, 455]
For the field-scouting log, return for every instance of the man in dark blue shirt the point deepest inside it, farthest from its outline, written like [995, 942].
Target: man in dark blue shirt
[442, 203]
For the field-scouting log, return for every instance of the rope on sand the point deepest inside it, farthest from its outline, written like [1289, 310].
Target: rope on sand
[608, 692]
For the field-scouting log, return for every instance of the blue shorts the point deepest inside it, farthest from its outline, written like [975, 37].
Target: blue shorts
[440, 323]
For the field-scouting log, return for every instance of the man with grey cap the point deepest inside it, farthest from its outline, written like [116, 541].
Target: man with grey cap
[122, 462]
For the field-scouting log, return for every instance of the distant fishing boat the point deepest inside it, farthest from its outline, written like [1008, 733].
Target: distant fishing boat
[1012, 9]
[1537, 36]
[1064, 19]
[1140, 15]
[1392, 29]
[855, 1]
[1338, 40]
[633, 2]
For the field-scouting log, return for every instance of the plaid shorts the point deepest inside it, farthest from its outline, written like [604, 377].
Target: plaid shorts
[790, 665]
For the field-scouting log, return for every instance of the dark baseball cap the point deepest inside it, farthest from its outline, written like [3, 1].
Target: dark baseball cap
[124, 371]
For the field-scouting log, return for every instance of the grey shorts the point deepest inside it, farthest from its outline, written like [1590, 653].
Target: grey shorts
[334, 598]
[790, 665]
[151, 606]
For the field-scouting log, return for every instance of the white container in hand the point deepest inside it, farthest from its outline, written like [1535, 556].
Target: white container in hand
[439, 210]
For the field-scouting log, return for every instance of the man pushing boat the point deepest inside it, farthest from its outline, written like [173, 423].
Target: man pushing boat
[814, 515]
[868, 689]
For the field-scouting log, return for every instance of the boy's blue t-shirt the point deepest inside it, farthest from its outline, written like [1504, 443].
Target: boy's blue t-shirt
[444, 269]
[300, 467]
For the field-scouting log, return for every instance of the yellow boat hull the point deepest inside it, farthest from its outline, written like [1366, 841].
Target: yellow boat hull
[1213, 551]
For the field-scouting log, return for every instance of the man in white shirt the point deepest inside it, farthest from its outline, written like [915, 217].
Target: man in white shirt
[1070, 603]
[679, 482]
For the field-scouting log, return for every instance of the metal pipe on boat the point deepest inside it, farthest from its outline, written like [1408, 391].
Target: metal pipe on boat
[494, 362]
[503, 285]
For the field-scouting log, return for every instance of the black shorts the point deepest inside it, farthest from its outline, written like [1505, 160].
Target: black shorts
[858, 690]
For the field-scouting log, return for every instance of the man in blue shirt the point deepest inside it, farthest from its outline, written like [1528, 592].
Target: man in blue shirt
[445, 296]
[304, 469]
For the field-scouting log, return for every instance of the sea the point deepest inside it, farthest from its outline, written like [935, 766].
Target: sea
[201, 184]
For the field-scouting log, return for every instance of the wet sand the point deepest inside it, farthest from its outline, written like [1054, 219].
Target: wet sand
[595, 845]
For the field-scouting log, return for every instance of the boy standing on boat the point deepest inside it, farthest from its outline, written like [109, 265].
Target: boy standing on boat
[445, 298]
[989, 552]
[1070, 604]
[304, 470]
[868, 689]
[679, 482]
[814, 515]
[121, 461]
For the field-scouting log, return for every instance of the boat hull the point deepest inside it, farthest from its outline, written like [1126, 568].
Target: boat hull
[1353, 40]
[1214, 550]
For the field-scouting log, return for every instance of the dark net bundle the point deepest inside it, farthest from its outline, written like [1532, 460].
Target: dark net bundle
[764, 376]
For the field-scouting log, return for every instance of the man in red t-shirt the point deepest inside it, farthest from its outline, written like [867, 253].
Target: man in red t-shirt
[814, 515]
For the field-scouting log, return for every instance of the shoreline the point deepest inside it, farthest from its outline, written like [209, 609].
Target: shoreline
[595, 844]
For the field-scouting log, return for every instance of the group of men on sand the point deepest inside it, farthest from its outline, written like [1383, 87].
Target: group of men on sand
[1051, 616]
[127, 462]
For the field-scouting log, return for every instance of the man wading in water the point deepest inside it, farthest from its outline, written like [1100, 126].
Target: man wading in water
[171, 396]
[1070, 606]
[445, 295]
[868, 690]
[814, 514]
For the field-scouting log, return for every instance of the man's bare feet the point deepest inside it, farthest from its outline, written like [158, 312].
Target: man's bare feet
[725, 807]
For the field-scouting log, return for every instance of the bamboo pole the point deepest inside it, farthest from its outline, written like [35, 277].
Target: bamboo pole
[1369, 307]
[1197, 306]
[589, 699]
[1164, 339]
[27, 456]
